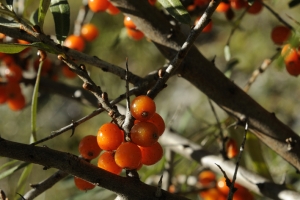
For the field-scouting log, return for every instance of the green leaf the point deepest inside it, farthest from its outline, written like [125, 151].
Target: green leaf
[22, 181]
[8, 164]
[12, 170]
[12, 48]
[43, 8]
[60, 10]
[177, 10]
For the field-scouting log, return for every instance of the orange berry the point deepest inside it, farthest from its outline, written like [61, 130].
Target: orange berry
[152, 154]
[13, 73]
[75, 42]
[67, 72]
[23, 41]
[231, 148]
[3, 94]
[88, 147]
[98, 5]
[89, 32]
[142, 108]
[112, 10]
[238, 4]
[223, 7]
[109, 137]
[144, 134]
[107, 162]
[8, 60]
[2, 36]
[83, 184]
[135, 34]
[152, 2]
[280, 34]
[159, 122]
[16, 103]
[212, 194]
[128, 156]
[291, 58]
[256, 7]
[206, 177]
[128, 23]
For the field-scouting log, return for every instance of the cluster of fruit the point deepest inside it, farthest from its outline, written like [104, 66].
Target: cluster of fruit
[141, 149]
[218, 188]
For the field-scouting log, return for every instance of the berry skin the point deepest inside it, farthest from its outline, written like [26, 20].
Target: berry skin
[152, 154]
[112, 10]
[13, 73]
[231, 148]
[128, 156]
[280, 34]
[88, 147]
[159, 122]
[3, 94]
[142, 108]
[256, 7]
[75, 42]
[144, 134]
[67, 72]
[223, 7]
[89, 32]
[82, 184]
[109, 137]
[291, 58]
[206, 178]
[128, 23]
[16, 103]
[212, 194]
[98, 5]
[238, 4]
[107, 162]
[135, 34]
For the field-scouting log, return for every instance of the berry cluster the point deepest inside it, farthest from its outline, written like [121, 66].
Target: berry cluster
[220, 190]
[142, 149]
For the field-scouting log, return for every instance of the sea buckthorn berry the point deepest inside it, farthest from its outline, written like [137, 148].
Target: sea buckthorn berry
[98, 5]
[159, 122]
[109, 137]
[75, 42]
[152, 154]
[88, 147]
[128, 156]
[67, 72]
[16, 103]
[291, 58]
[89, 32]
[135, 34]
[152, 2]
[113, 10]
[83, 184]
[231, 148]
[13, 73]
[128, 23]
[107, 162]
[280, 34]
[206, 177]
[238, 4]
[212, 194]
[144, 134]
[256, 7]
[3, 94]
[142, 108]
[223, 7]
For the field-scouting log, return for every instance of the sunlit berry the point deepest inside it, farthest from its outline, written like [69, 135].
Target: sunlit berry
[142, 108]
[88, 147]
[109, 137]
[107, 162]
[128, 156]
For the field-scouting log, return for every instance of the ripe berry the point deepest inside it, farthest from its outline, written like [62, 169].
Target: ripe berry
[88, 147]
[206, 177]
[144, 134]
[82, 184]
[112, 10]
[98, 5]
[158, 121]
[3, 94]
[89, 32]
[128, 23]
[280, 34]
[107, 162]
[142, 108]
[17, 102]
[109, 137]
[223, 7]
[152, 2]
[135, 34]
[256, 7]
[291, 58]
[152, 154]
[231, 148]
[75, 42]
[67, 72]
[212, 194]
[13, 73]
[128, 156]
[238, 4]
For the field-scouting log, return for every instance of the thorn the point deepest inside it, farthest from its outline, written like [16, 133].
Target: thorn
[158, 192]
[73, 128]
